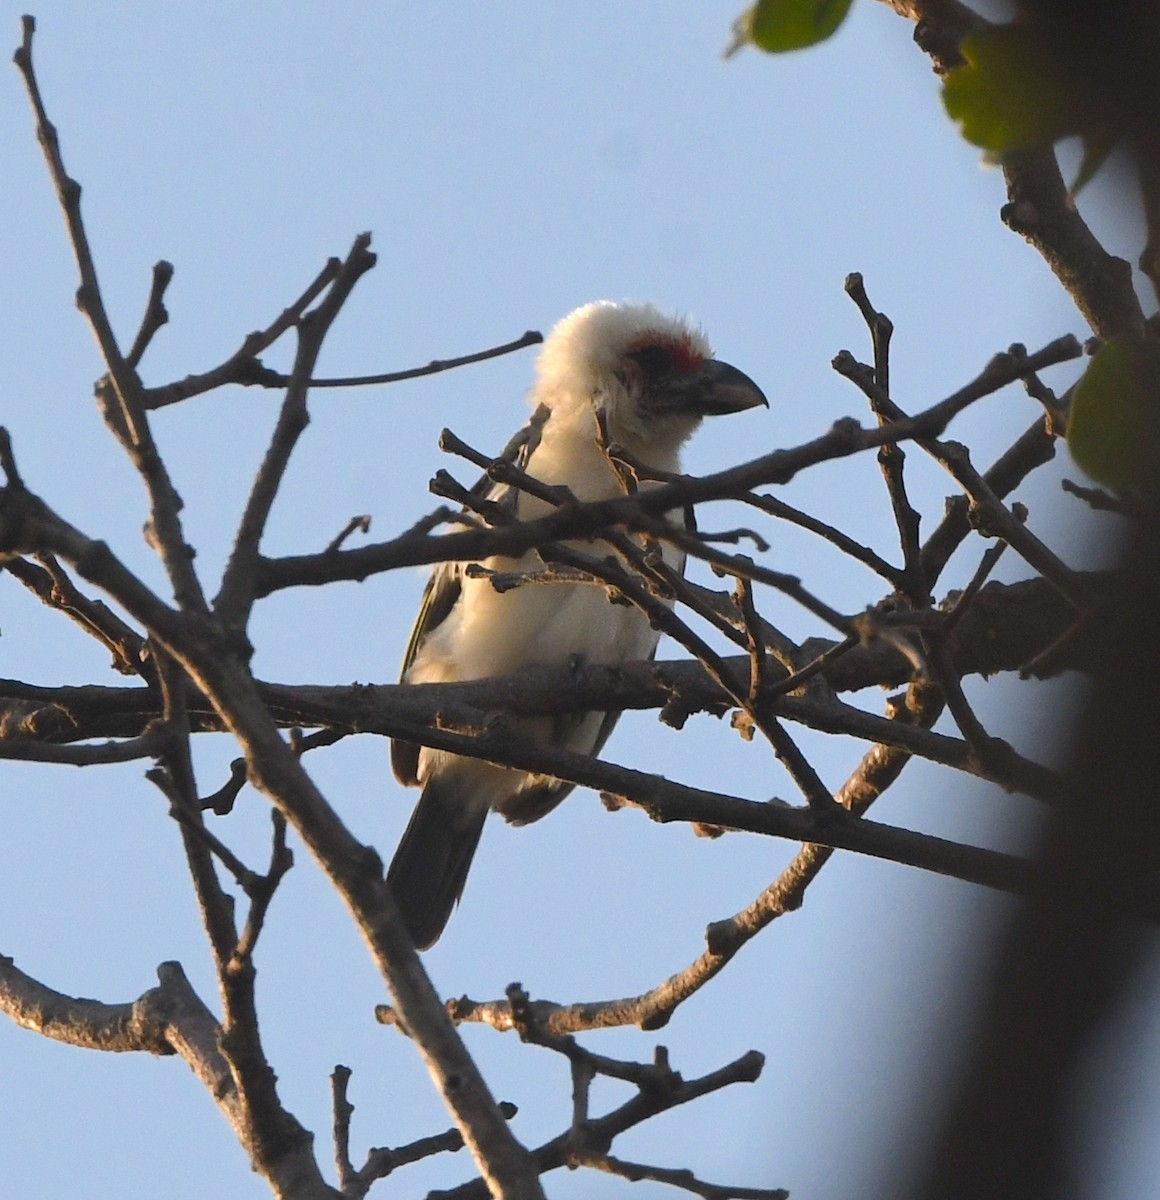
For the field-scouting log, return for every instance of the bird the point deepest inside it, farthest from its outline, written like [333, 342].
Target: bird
[651, 377]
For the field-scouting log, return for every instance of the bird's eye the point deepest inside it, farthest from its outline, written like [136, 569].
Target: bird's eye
[655, 361]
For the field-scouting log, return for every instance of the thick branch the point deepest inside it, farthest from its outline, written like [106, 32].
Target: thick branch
[168, 1019]
[1041, 209]
[210, 659]
[1039, 206]
[357, 874]
[1005, 627]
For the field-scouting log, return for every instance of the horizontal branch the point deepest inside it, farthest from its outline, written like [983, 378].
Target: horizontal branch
[665, 800]
[24, 749]
[531, 337]
[635, 512]
[1006, 627]
[136, 1025]
[244, 368]
[878, 771]
[560, 1151]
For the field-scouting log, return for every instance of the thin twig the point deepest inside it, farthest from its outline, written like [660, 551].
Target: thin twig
[221, 802]
[246, 369]
[845, 543]
[361, 524]
[816, 666]
[127, 415]
[531, 338]
[955, 459]
[1102, 501]
[967, 595]
[261, 890]
[52, 584]
[891, 457]
[1055, 409]
[1032, 449]
[343, 1110]
[243, 366]
[684, 1179]
[751, 623]
[155, 315]
[235, 598]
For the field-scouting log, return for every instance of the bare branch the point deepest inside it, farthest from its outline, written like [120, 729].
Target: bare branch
[132, 1026]
[155, 315]
[966, 597]
[685, 1180]
[994, 516]
[380, 1161]
[1041, 210]
[236, 596]
[222, 801]
[1034, 448]
[244, 366]
[360, 524]
[261, 890]
[915, 590]
[845, 543]
[68, 192]
[601, 1131]
[1102, 501]
[638, 512]
[269, 1128]
[531, 338]
[51, 583]
[1039, 206]
[148, 745]
[121, 394]
[878, 770]
[891, 458]
[1005, 627]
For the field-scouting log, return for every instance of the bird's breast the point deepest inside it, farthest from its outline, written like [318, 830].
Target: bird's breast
[542, 624]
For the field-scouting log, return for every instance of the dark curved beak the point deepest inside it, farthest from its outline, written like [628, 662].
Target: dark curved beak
[718, 389]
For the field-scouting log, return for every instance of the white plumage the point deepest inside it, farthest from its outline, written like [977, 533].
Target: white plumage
[654, 378]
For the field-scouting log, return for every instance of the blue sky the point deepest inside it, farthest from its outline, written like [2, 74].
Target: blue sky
[513, 161]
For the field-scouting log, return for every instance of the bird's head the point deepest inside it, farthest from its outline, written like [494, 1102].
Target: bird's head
[653, 376]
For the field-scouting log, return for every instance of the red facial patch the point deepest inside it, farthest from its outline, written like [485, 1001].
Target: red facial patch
[684, 357]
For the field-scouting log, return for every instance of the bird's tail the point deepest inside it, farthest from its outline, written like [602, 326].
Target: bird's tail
[430, 867]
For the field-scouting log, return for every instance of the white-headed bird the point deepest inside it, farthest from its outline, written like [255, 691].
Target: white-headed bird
[653, 377]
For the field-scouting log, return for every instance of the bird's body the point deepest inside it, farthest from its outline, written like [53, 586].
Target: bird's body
[652, 378]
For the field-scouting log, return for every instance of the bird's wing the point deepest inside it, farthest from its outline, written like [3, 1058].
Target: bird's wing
[444, 586]
[439, 599]
[531, 803]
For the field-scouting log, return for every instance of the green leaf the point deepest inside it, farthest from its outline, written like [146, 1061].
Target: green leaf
[1114, 429]
[779, 25]
[1011, 94]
